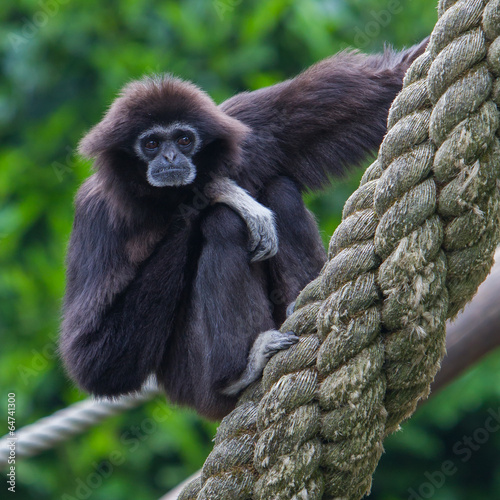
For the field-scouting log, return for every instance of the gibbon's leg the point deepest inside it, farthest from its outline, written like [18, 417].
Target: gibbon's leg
[118, 318]
[301, 252]
[228, 333]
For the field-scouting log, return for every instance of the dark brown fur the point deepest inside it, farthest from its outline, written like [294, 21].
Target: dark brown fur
[152, 289]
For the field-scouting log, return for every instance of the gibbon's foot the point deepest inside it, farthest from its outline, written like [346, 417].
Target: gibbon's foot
[273, 342]
[290, 309]
[265, 345]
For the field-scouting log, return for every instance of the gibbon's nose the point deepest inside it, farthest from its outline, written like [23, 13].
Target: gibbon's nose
[169, 156]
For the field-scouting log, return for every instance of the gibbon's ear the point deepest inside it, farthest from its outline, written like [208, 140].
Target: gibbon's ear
[92, 143]
[112, 132]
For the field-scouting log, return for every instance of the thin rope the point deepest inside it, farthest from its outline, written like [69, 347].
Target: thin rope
[64, 424]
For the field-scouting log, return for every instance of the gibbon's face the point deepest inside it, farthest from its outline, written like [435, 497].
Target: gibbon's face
[168, 151]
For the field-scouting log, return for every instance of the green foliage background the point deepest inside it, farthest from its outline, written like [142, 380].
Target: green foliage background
[62, 62]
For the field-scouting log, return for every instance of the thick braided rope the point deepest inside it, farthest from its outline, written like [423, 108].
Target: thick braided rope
[461, 234]
[416, 240]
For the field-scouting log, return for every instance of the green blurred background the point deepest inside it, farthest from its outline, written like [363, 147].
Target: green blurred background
[62, 62]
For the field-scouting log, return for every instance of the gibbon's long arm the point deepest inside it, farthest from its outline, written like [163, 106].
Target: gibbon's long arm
[328, 117]
[118, 313]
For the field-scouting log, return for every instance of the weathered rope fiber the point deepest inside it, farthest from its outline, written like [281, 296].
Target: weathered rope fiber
[416, 240]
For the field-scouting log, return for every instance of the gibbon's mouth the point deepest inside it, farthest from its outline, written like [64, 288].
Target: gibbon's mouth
[164, 170]
[166, 176]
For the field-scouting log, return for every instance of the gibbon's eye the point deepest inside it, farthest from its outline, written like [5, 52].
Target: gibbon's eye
[151, 145]
[184, 140]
